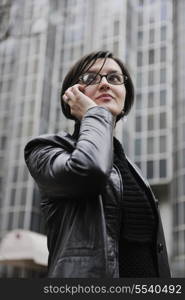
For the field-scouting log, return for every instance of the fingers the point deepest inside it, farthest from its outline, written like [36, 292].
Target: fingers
[77, 89]
[70, 94]
[66, 99]
[79, 103]
[73, 93]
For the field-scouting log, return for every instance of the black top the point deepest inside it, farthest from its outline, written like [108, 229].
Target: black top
[138, 227]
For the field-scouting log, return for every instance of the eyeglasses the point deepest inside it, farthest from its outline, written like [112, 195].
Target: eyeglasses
[95, 78]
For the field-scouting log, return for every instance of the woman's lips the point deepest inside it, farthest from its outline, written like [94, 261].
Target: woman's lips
[105, 97]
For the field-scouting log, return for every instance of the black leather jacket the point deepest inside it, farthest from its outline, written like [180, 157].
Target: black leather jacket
[71, 175]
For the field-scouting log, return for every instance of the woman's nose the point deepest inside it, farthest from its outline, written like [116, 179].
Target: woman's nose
[104, 83]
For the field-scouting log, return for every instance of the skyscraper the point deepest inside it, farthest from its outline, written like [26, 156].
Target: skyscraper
[22, 48]
[178, 185]
[39, 41]
[150, 123]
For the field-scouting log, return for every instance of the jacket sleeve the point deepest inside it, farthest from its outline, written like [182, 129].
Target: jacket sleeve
[85, 170]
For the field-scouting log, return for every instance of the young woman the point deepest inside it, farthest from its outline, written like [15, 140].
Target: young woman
[101, 215]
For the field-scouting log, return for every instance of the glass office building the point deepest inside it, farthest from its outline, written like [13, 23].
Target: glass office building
[39, 41]
[178, 186]
[150, 123]
[22, 55]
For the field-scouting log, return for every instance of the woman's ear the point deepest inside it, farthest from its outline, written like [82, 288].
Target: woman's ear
[122, 113]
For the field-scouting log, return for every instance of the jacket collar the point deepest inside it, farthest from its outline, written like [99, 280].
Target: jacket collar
[71, 140]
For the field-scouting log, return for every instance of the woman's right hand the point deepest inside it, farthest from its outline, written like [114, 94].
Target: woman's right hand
[79, 103]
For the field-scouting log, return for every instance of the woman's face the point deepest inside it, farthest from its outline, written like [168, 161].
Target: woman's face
[105, 94]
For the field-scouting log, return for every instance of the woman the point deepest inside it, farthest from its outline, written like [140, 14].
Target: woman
[101, 215]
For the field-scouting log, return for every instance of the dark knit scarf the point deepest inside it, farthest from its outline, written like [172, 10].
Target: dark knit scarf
[137, 213]
[137, 256]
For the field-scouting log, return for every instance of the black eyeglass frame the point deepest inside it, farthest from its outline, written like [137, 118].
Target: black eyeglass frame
[101, 76]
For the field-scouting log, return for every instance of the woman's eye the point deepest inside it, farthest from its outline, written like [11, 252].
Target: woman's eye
[89, 78]
[114, 78]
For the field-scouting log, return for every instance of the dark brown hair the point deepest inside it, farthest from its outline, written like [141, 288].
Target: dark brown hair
[82, 66]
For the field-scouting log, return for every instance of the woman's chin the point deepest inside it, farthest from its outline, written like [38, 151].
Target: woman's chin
[114, 110]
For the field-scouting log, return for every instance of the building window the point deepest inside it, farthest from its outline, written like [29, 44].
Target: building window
[150, 145]
[23, 196]
[176, 239]
[7, 103]
[162, 120]
[10, 220]
[163, 54]
[138, 101]
[21, 109]
[151, 77]
[18, 153]
[34, 86]
[139, 80]
[19, 129]
[115, 48]
[138, 124]
[71, 53]
[151, 36]
[12, 197]
[35, 66]
[31, 107]
[30, 128]
[183, 132]
[37, 46]
[15, 173]
[175, 210]
[140, 38]
[183, 188]
[162, 144]
[150, 122]
[163, 75]
[139, 59]
[5, 122]
[163, 33]
[23, 92]
[25, 69]
[150, 169]
[151, 56]
[163, 11]
[21, 219]
[1, 185]
[181, 222]
[140, 18]
[162, 97]
[3, 143]
[137, 146]
[10, 83]
[183, 159]
[162, 168]
[151, 100]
